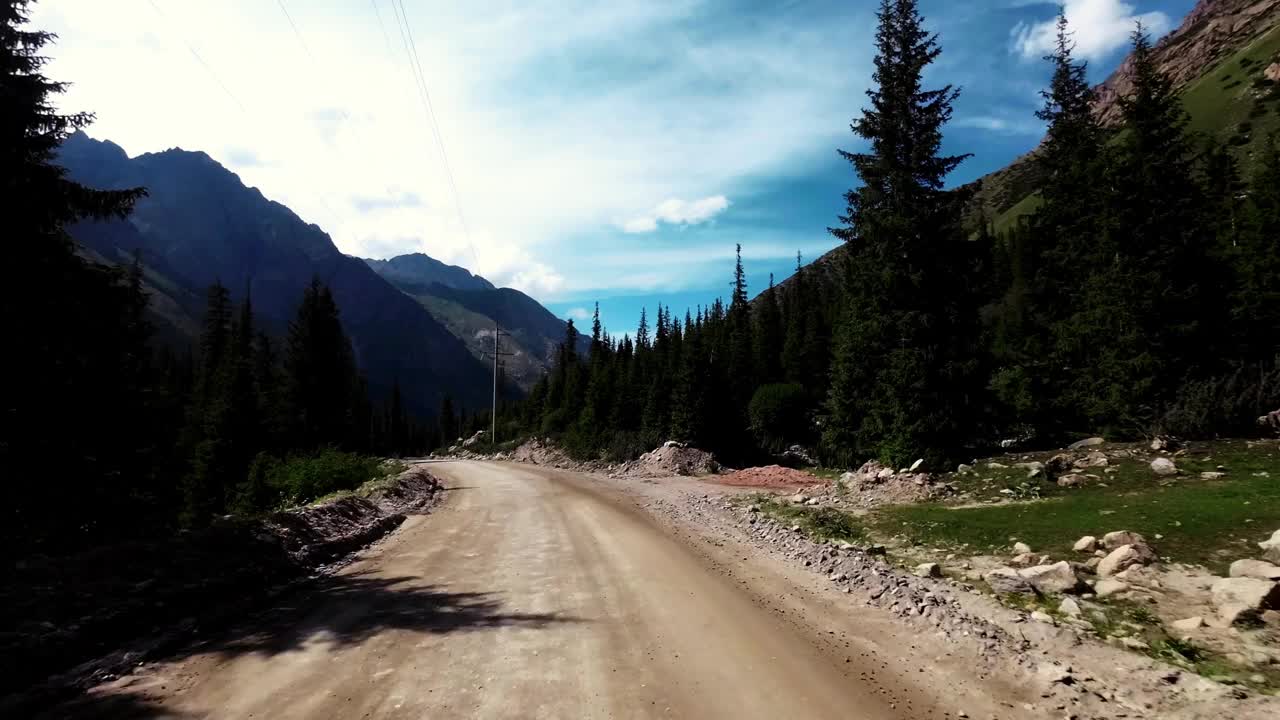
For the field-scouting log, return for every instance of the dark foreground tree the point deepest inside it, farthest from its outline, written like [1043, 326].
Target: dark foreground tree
[77, 364]
[903, 357]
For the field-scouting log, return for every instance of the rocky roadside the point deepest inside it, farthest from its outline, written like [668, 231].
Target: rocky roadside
[1075, 675]
[80, 620]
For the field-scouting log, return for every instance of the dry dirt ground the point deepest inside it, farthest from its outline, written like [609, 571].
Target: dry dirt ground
[538, 593]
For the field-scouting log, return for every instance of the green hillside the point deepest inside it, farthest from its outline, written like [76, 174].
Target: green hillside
[1234, 103]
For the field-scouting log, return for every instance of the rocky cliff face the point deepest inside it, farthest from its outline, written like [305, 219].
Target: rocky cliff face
[1213, 30]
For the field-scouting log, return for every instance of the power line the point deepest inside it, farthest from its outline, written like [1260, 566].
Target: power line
[424, 95]
[293, 25]
[199, 59]
[209, 68]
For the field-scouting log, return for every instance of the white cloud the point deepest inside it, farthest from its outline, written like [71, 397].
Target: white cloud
[579, 313]
[1000, 125]
[677, 212]
[1099, 28]
[559, 116]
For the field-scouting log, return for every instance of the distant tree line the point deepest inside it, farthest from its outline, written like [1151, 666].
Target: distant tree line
[1142, 296]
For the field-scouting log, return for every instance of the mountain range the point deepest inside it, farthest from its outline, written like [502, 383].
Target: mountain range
[412, 319]
[471, 308]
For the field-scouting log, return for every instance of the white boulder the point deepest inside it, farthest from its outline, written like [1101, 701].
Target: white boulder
[1125, 557]
[1240, 599]
[1163, 467]
[1006, 581]
[1086, 544]
[1058, 578]
[1259, 569]
[1109, 587]
[929, 570]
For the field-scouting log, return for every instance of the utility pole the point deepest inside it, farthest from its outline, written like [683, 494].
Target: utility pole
[497, 354]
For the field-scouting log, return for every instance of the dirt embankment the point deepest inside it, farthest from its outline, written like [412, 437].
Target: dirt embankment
[59, 612]
[769, 476]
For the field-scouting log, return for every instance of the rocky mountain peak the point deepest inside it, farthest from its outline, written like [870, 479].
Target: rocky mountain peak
[1212, 30]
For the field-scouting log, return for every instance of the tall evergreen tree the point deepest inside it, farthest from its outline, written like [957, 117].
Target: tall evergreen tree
[1157, 312]
[78, 387]
[320, 374]
[449, 423]
[900, 381]
[768, 337]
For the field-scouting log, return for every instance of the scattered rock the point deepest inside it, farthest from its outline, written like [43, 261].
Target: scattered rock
[1058, 578]
[1188, 624]
[1113, 540]
[1086, 544]
[1134, 643]
[1034, 469]
[916, 465]
[1109, 587]
[1243, 599]
[1023, 560]
[1021, 548]
[1271, 548]
[1042, 616]
[1258, 569]
[1073, 480]
[931, 570]
[963, 468]
[1125, 557]
[1163, 467]
[1091, 460]
[1069, 607]
[1007, 581]
[1212, 475]
[1087, 442]
[1058, 464]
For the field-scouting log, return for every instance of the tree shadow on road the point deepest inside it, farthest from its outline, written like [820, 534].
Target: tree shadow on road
[346, 610]
[330, 612]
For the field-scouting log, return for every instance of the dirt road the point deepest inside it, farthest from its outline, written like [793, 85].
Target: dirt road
[529, 594]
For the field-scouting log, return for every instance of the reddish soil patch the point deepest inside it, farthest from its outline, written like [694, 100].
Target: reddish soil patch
[768, 476]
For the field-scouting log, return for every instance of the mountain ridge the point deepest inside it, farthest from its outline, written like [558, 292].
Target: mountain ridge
[201, 224]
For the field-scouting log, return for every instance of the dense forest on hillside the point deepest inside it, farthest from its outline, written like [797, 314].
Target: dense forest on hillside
[1142, 297]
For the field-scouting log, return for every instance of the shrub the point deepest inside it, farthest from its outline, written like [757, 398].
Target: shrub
[778, 415]
[302, 479]
[1227, 404]
[627, 445]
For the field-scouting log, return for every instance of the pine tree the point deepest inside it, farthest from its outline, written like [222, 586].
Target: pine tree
[320, 379]
[1256, 301]
[794, 367]
[769, 337]
[900, 382]
[449, 425]
[741, 344]
[1157, 312]
[1059, 258]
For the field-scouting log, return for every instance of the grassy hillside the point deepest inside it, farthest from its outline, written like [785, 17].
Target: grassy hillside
[1234, 103]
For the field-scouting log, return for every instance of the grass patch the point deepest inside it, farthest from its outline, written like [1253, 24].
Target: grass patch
[1201, 521]
[330, 474]
[819, 523]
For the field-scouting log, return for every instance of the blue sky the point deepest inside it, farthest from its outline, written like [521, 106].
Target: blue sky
[610, 152]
